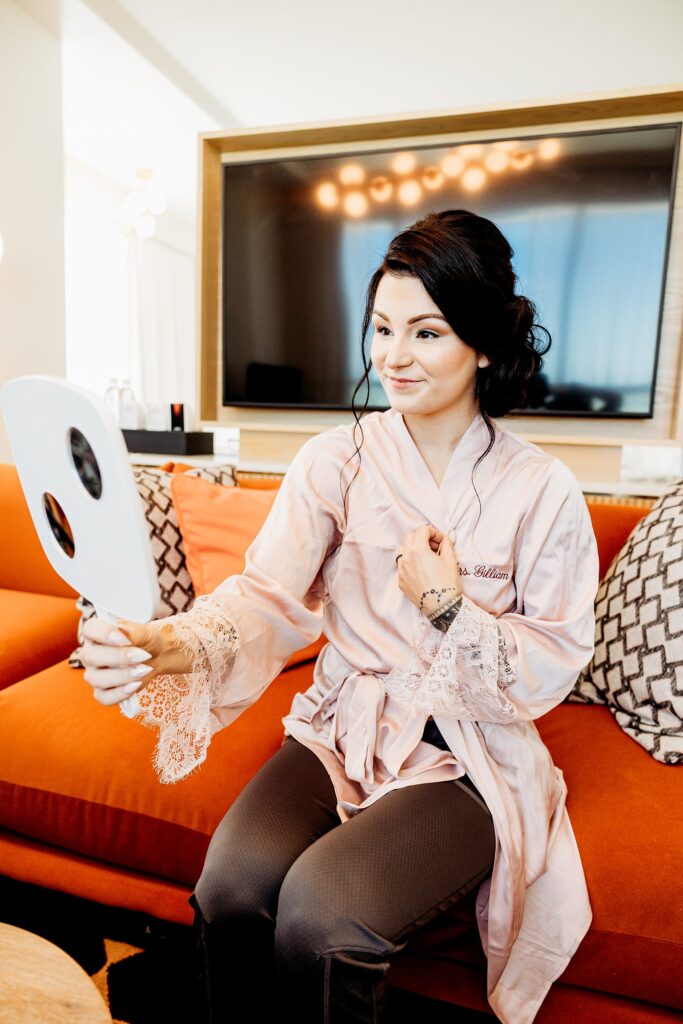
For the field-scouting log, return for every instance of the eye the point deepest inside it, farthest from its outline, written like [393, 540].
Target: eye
[432, 334]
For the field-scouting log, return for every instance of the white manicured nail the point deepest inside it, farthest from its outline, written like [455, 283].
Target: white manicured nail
[136, 654]
[140, 670]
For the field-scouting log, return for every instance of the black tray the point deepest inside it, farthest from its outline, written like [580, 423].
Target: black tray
[169, 442]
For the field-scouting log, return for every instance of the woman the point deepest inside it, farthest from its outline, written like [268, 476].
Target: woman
[456, 614]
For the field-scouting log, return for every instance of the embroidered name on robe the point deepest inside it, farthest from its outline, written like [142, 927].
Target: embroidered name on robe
[485, 571]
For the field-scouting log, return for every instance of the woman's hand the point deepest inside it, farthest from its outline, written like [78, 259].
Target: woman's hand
[111, 652]
[428, 563]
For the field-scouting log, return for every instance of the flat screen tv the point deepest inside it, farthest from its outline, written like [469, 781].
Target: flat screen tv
[588, 215]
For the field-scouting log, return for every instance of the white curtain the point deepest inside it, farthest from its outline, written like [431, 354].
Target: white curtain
[130, 302]
[162, 328]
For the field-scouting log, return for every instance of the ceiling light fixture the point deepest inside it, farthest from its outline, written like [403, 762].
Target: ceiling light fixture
[141, 206]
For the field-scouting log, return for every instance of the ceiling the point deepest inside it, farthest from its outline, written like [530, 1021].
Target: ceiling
[142, 78]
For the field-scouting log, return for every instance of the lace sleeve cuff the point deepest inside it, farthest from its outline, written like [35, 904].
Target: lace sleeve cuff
[461, 673]
[180, 705]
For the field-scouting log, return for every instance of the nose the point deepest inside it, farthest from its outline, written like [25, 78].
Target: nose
[398, 355]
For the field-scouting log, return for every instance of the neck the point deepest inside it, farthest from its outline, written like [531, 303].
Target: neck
[439, 432]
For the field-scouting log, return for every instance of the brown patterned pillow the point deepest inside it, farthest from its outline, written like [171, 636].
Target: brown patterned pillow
[637, 667]
[177, 592]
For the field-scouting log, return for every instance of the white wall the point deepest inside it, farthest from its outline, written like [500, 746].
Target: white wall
[31, 197]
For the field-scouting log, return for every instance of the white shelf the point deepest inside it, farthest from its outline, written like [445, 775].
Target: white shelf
[629, 488]
[155, 459]
[252, 466]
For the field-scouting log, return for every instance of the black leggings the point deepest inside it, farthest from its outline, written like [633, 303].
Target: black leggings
[294, 913]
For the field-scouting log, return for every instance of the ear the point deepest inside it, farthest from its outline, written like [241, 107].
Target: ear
[483, 361]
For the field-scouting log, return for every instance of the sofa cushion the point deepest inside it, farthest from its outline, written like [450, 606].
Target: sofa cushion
[218, 524]
[612, 523]
[626, 810]
[85, 780]
[637, 667]
[36, 630]
[24, 566]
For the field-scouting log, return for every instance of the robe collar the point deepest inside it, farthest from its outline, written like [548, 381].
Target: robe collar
[443, 503]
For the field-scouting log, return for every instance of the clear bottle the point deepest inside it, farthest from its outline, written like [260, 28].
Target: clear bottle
[112, 397]
[126, 391]
[130, 410]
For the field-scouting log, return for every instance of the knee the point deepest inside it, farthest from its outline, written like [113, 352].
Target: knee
[233, 887]
[316, 916]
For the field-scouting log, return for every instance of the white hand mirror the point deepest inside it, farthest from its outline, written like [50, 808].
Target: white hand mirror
[75, 472]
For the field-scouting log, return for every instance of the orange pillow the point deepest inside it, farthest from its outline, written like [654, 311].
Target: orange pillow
[218, 524]
[176, 467]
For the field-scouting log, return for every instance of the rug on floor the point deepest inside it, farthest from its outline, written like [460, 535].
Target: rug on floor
[145, 967]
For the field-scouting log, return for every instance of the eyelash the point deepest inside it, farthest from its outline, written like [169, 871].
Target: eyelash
[423, 330]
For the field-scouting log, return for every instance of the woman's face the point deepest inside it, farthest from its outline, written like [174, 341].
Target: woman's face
[427, 351]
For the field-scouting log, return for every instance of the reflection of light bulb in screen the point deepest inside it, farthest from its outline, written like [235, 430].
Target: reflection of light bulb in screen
[452, 165]
[355, 204]
[549, 149]
[380, 188]
[432, 178]
[409, 192]
[473, 179]
[403, 163]
[521, 160]
[326, 195]
[351, 174]
[496, 161]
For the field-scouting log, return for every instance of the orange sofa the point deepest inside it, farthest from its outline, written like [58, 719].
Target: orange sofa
[82, 811]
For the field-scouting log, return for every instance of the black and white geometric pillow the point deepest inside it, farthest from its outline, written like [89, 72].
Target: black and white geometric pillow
[177, 592]
[637, 667]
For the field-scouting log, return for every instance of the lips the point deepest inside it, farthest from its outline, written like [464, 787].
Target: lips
[403, 380]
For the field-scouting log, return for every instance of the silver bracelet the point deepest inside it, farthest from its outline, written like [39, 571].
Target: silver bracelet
[443, 619]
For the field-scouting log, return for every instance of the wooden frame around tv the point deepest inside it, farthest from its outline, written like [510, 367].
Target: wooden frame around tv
[591, 447]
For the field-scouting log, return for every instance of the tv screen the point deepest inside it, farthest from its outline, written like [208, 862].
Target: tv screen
[588, 215]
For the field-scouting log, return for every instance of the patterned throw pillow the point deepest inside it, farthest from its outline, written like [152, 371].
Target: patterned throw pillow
[177, 592]
[637, 667]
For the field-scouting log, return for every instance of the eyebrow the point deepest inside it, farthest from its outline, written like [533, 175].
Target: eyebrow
[422, 316]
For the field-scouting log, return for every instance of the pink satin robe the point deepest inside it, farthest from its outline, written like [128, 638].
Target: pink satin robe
[529, 573]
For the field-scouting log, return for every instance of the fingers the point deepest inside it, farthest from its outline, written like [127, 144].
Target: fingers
[119, 635]
[114, 670]
[115, 694]
[105, 656]
[426, 531]
[107, 678]
[98, 630]
[111, 685]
